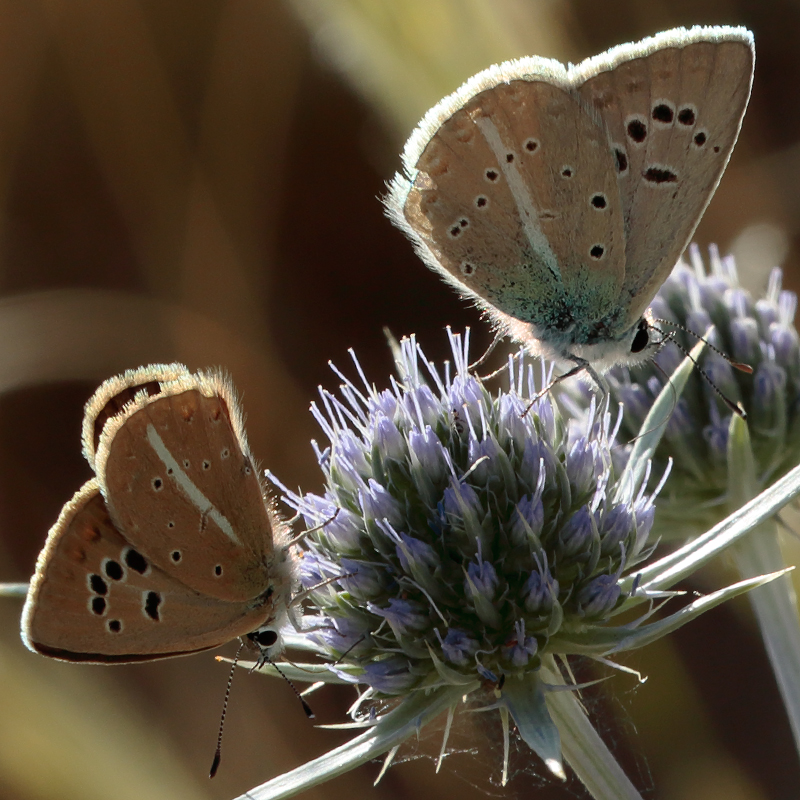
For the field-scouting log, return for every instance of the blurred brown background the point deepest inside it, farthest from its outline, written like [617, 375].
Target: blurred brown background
[198, 181]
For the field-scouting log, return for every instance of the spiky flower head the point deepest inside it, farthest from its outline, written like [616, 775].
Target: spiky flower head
[720, 461]
[471, 534]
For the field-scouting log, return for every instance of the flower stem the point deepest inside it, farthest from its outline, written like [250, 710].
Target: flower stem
[583, 749]
[775, 607]
[774, 604]
[13, 589]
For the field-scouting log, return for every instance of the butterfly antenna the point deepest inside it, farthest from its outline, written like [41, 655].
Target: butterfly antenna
[734, 407]
[265, 659]
[218, 752]
[740, 365]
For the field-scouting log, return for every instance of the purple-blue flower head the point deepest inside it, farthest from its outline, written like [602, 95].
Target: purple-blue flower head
[470, 530]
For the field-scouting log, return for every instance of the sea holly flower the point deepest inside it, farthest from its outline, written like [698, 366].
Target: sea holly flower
[720, 461]
[494, 541]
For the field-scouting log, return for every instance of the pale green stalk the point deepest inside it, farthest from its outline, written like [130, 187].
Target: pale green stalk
[775, 605]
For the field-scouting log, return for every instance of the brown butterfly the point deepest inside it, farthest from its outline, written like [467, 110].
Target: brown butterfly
[558, 198]
[172, 547]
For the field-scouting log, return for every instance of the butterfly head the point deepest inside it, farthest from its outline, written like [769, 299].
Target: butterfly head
[281, 566]
[638, 344]
[267, 640]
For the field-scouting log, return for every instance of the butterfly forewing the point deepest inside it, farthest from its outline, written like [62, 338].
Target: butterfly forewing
[96, 597]
[517, 176]
[673, 109]
[180, 483]
[459, 180]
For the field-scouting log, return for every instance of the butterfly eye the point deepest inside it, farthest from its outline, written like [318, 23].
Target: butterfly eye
[263, 638]
[640, 340]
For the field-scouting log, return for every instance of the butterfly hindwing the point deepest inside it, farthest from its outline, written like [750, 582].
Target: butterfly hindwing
[111, 397]
[96, 597]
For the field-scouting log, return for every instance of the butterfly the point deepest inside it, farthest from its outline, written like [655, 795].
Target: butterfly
[172, 548]
[559, 198]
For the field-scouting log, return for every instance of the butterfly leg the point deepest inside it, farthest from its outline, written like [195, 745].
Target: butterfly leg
[580, 365]
[498, 337]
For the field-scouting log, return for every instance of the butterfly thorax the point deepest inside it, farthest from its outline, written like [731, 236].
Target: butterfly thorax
[278, 579]
[603, 344]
